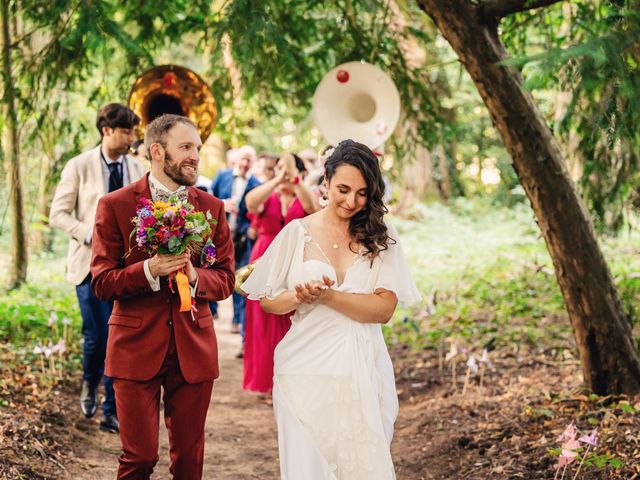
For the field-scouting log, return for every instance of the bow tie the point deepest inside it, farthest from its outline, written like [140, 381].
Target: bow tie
[163, 195]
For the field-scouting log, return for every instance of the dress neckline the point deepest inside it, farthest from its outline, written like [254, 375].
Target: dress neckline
[328, 262]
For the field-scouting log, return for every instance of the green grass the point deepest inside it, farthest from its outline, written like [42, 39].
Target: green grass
[25, 312]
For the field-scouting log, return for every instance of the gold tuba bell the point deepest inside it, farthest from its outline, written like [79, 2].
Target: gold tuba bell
[173, 89]
[241, 276]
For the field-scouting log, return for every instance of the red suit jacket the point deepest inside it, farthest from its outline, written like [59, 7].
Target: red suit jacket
[141, 322]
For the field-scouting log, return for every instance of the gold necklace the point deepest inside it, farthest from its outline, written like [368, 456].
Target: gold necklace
[335, 245]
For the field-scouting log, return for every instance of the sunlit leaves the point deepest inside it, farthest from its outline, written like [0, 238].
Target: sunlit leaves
[590, 49]
[284, 48]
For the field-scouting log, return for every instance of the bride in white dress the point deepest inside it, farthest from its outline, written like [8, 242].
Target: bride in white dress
[343, 272]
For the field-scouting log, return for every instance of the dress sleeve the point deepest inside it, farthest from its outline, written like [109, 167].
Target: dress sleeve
[277, 266]
[394, 274]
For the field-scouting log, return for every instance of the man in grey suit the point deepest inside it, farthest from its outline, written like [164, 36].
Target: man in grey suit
[84, 180]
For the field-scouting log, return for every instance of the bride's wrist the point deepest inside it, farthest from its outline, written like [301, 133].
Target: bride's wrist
[325, 297]
[295, 300]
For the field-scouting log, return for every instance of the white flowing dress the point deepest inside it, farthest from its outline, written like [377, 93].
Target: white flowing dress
[334, 391]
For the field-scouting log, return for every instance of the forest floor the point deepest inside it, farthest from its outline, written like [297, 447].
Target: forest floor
[487, 283]
[502, 430]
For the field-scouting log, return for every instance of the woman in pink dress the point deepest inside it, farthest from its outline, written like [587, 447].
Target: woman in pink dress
[276, 202]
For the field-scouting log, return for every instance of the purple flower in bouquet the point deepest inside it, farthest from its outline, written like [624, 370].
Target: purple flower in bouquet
[208, 256]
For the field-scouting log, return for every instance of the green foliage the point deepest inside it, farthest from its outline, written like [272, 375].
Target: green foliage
[284, 48]
[589, 49]
[25, 312]
[487, 279]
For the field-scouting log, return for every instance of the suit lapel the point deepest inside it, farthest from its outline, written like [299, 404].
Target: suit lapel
[136, 169]
[192, 197]
[131, 171]
[141, 187]
[97, 176]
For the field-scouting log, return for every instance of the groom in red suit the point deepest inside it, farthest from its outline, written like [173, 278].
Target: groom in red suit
[152, 345]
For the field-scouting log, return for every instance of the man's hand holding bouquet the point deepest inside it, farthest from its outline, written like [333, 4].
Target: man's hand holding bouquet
[170, 232]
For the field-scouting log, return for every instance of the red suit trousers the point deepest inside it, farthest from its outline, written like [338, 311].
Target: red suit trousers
[185, 412]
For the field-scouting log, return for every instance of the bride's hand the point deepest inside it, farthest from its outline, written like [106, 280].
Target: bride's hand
[327, 281]
[310, 292]
[314, 291]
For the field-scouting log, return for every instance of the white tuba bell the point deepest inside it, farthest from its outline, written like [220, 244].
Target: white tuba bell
[358, 101]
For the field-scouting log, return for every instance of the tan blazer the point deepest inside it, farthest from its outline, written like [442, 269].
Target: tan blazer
[74, 204]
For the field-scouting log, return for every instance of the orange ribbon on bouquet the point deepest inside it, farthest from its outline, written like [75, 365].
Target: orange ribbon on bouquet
[184, 291]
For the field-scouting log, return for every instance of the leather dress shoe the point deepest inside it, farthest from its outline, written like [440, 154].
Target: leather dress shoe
[88, 399]
[109, 423]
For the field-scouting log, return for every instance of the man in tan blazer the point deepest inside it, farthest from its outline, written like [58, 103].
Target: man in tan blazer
[85, 179]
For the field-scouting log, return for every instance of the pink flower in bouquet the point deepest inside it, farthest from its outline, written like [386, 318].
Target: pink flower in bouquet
[147, 221]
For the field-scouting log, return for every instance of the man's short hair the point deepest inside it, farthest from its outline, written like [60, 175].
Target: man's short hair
[116, 115]
[157, 131]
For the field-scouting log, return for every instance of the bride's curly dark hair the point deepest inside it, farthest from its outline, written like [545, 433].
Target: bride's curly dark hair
[366, 227]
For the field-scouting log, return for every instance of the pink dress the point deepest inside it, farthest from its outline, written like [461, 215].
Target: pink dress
[263, 331]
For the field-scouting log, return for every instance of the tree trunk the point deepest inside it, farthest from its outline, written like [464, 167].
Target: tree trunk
[610, 361]
[442, 168]
[18, 267]
[417, 180]
[41, 235]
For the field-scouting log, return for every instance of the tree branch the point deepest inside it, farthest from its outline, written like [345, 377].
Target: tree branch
[492, 9]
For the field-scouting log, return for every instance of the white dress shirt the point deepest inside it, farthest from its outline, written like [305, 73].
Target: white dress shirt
[122, 159]
[105, 170]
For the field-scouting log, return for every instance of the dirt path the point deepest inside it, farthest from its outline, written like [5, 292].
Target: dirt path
[241, 438]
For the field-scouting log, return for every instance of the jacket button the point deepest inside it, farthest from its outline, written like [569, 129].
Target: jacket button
[169, 323]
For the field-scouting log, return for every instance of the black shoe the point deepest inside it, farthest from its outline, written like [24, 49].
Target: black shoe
[240, 354]
[109, 423]
[88, 399]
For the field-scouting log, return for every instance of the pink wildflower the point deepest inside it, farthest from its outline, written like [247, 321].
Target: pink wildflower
[591, 439]
[569, 433]
[571, 444]
[566, 457]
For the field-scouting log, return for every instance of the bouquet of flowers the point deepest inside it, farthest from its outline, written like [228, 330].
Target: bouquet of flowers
[174, 227]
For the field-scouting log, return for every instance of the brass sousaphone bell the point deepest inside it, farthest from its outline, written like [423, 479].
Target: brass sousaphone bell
[173, 89]
[357, 101]
[241, 276]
